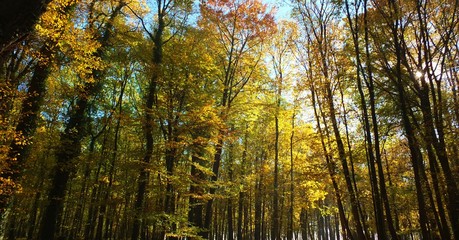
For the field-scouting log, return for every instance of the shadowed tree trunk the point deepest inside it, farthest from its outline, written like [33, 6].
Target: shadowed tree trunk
[103, 209]
[36, 89]
[330, 165]
[433, 120]
[258, 230]
[416, 156]
[275, 228]
[70, 141]
[292, 185]
[148, 124]
[242, 216]
[195, 214]
[17, 19]
[18, 151]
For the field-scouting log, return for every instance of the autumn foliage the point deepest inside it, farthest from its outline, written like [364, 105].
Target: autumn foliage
[222, 119]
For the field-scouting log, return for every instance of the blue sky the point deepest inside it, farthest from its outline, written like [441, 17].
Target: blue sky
[283, 8]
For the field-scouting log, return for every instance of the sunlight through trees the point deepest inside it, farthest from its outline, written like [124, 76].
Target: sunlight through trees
[229, 119]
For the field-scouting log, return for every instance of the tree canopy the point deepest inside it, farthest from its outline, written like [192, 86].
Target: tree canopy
[220, 119]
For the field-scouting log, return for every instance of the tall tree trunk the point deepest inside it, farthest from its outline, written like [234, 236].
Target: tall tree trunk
[430, 138]
[342, 156]
[275, 233]
[216, 163]
[195, 214]
[229, 219]
[92, 198]
[17, 19]
[451, 185]
[304, 223]
[370, 86]
[103, 210]
[416, 156]
[377, 196]
[214, 178]
[437, 140]
[330, 166]
[170, 201]
[247, 231]
[242, 215]
[70, 142]
[292, 185]
[35, 207]
[27, 123]
[18, 150]
[70, 147]
[148, 123]
[258, 200]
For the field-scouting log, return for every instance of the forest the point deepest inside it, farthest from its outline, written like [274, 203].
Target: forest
[229, 119]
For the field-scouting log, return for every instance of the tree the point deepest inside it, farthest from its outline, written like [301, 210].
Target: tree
[318, 18]
[17, 21]
[371, 129]
[70, 139]
[409, 58]
[239, 28]
[222, 123]
[26, 125]
[164, 9]
[280, 53]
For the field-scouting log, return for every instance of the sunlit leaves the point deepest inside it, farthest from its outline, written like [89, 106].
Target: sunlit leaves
[238, 26]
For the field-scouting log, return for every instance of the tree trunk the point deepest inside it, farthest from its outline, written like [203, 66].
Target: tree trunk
[242, 216]
[149, 121]
[195, 214]
[377, 196]
[304, 222]
[18, 151]
[258, 200]
[430, 138]
[17, 19]
[70, 142]
[292, 185]
[170, 201]
[344, 164]
[416, 156]
[275, 233]
[330, 167]
[437, 117]
[103, 210]
[229, 219]
[214, 178]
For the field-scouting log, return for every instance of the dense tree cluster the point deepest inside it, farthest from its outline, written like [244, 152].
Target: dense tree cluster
[178, 119]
